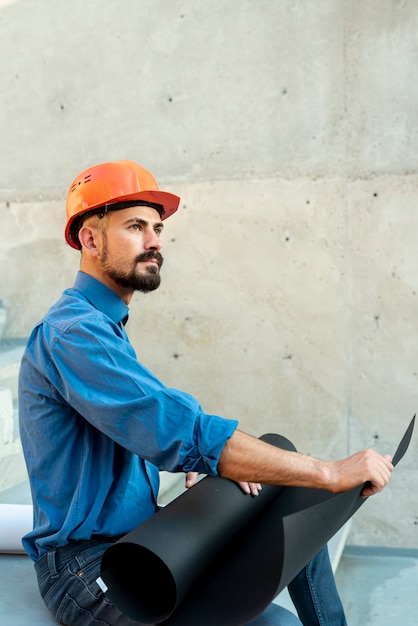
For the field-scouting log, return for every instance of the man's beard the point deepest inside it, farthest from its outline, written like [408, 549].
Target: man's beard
[145, 281]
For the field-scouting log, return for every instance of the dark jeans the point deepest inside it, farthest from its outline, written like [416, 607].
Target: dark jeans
[67, 583]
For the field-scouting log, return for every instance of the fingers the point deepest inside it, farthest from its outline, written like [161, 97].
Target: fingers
[191, 479]
[382, 472]
[250, 488]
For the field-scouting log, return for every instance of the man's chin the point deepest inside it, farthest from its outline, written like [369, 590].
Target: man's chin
[146, 283]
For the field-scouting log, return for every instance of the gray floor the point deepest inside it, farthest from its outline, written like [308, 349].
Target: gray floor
[379, 587]
[20, 602]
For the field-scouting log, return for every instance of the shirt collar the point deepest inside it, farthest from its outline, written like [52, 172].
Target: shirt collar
[101, 297]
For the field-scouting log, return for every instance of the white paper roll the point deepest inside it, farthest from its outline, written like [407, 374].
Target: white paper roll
[15, 521]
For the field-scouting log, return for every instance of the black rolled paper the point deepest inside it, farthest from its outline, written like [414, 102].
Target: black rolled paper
[174, 547]
[217, 556]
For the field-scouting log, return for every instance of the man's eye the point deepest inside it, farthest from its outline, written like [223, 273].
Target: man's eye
[136, 226]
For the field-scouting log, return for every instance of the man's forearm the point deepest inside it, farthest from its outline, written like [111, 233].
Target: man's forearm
[245, 458]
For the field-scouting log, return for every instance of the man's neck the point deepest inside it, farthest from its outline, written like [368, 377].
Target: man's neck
[91, 269]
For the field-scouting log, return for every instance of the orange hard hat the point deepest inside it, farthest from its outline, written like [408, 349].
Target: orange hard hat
[111, 183]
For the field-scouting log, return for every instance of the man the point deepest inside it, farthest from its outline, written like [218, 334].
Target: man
[96, 425]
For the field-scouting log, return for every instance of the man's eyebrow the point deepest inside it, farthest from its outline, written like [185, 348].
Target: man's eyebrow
[142, 222]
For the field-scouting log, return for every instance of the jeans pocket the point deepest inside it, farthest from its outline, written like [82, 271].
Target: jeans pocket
[76, 591]
[75, 598]
[86, 573]
[71, 613]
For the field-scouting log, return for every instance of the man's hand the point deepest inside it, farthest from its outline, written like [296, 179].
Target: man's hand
[249, 488]
[366, 466]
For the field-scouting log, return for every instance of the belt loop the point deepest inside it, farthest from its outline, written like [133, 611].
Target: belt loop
[50, 558]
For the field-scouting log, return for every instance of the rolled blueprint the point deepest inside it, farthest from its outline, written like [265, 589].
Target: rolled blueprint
[15, 521]
[217, 556]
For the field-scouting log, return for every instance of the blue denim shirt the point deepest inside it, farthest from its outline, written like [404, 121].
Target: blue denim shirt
[96, 425]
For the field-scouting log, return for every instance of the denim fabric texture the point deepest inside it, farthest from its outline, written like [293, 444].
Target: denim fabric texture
[275, 615]
[67, 583]
[315, 595]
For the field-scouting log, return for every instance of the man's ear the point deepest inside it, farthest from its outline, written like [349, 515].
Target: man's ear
[87, 236]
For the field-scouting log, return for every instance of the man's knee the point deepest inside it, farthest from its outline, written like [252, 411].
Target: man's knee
[275, 615]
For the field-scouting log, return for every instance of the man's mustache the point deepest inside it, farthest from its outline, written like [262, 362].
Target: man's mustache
[147, 256]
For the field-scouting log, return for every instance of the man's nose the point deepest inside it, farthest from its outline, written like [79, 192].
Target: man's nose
[153, 241]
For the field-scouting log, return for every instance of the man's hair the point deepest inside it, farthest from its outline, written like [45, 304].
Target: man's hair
[80, 220]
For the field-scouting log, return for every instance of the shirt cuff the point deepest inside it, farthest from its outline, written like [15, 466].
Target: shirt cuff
[211, 435]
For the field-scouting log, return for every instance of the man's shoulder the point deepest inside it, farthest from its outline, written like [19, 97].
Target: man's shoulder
[88, 306]
[71, 309]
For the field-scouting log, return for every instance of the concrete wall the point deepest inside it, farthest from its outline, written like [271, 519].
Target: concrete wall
[289, 295]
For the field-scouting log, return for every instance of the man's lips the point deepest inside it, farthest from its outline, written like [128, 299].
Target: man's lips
[155, 259]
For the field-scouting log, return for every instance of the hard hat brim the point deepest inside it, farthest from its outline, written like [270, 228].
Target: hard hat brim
[168, 201]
